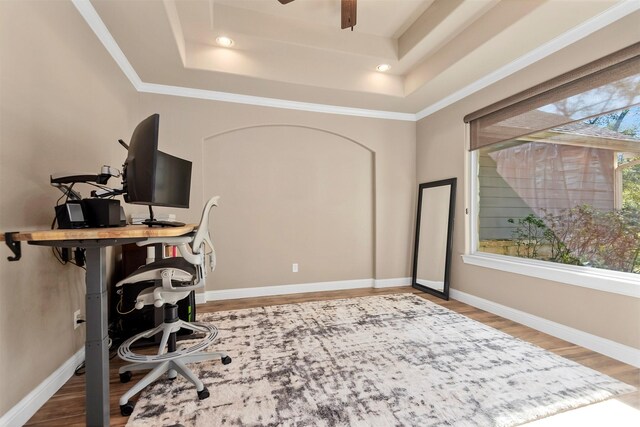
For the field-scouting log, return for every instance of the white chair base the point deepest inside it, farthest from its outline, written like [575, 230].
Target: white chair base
[125, 352]
[173, 363]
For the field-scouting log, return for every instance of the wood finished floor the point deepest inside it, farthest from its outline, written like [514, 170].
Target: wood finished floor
[66, 407]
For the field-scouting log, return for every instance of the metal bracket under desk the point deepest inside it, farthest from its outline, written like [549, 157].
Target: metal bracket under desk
[85, 243]
[13, 245]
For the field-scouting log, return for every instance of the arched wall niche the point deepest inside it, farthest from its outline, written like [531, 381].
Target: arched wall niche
[290, 194]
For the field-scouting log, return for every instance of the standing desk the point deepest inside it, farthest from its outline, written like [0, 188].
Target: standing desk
[95, 241]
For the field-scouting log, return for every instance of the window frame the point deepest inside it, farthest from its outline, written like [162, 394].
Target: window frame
[619, 181]
[610, 281]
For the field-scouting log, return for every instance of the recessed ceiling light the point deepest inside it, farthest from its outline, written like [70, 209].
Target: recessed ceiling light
[224, 41]
[383, 67]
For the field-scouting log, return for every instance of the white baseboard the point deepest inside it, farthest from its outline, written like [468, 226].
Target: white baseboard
[615, 350]
[264, 291]
[29, 405]
[392, 283]
[201, 297]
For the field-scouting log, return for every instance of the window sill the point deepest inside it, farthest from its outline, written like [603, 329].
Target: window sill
[602, 280]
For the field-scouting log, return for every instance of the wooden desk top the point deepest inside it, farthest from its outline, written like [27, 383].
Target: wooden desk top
[128, 232]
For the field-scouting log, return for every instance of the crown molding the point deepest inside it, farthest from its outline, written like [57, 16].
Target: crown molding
[94, 21]
[614, 13]
[609, 16]
[271, 102]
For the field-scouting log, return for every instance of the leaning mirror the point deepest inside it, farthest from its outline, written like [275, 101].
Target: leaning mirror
[434, 234]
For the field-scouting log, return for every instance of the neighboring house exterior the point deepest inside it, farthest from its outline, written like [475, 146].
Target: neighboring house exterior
[549, 172]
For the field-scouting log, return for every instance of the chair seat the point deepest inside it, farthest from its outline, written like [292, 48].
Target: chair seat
[177, 263]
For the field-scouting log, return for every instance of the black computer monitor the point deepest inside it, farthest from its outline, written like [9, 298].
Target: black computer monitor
[151, 177]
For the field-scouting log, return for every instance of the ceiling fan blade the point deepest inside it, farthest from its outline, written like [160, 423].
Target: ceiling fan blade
[349, 15]
[285, 1]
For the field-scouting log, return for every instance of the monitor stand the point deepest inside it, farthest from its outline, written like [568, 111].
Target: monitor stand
[154, 223]
[151, 222]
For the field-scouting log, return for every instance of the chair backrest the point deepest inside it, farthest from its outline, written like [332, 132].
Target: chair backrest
[202, 235]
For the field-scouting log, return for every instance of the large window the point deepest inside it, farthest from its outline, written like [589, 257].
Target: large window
[569, 194]
[558, 172]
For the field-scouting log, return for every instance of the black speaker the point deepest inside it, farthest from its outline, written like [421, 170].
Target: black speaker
[101, 212]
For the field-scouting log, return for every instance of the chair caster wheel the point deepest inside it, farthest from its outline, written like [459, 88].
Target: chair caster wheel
[226, 360]
[126, 409]
[203, 394]
[125, 377]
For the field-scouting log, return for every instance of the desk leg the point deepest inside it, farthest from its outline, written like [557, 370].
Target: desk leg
[97, 341]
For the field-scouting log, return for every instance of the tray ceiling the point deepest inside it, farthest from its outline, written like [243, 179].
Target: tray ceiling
[298, 52]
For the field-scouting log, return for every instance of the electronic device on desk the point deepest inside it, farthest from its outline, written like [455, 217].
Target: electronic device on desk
[99, 211]
[70, 215]
[151, 177]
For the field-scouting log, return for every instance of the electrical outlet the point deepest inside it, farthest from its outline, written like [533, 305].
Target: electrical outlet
[76, 319]
[294, 268]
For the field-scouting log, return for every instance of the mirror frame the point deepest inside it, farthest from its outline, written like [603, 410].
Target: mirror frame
[447, 268]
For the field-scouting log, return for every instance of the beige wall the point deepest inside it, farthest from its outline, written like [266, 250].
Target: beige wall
[375, 178]
[441, 154]
[63, 106]
[290, 194]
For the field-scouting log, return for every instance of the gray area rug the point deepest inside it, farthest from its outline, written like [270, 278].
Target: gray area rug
[395, 360]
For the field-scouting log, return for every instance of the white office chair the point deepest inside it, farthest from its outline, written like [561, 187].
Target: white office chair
[174, 279]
